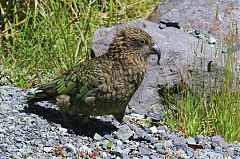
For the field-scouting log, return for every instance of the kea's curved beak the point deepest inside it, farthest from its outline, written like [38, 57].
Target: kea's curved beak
[157, 51]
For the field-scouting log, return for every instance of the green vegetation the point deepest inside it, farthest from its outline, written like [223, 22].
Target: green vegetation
[42, 38]
[209, 104]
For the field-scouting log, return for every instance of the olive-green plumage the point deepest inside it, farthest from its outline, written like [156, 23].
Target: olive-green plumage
[105, 84]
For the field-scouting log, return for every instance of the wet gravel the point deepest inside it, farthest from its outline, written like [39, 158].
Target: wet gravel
[38, 131]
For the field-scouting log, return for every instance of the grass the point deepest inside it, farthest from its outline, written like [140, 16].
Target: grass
[42, 38]
[208, 101]
[209, 104]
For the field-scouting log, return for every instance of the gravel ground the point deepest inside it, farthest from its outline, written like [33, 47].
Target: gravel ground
[38, 132]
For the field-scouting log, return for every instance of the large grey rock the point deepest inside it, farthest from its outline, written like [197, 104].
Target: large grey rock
[179, 51]
[213, 17]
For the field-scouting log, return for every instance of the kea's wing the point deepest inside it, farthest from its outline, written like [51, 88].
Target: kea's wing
[77, 83]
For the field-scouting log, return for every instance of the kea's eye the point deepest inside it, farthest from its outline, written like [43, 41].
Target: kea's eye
[142, 41]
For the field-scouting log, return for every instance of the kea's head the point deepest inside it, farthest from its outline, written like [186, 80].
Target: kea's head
[134, 40]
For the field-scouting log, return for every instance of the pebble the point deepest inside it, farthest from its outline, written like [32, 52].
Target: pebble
[63, 129]
[97, 137]
[119, 142]
[214, 155]
[219, 141]
[145, 157]
[47, 149]
[126, 151]
[71, 147]
[19, 139]
[109, 137]
[162, 26]
[154, 116]
[224, 50]
[153, 129]
[38, 135]
[124, 132]
[25, 151]
[191, 141]
[143, 150]
[137, 116]
[179, 140]
[197, 32]
[4, 107]
[212, 40]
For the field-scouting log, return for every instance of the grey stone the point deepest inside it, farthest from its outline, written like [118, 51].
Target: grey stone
[191, 141]
[63, 129]
[153, 129]
[224, 50]
[124, 132]
[119, 142]
[214, 155]
[219, 141]
[25, 151]
[137, 116]
[162, 26]
[126, 151]
[159, 148]
[154, 116]
[151, 147]
[237, 151]
[169, 143]
[189, 151]
[200, 16]
[19, 139]
[97, 137]
[71, 147]
[4, 156]
[104, 155]
[69, 154]
[217, 148]
[109, 137]
[181, 154]
[2, 130]
[162, 151]
[212, 40]
[230, 150]
[5, 107]
[143, 150]
[19, 145]
[179, 140]
[154, 157]
[197, 32]
[199, 138]
[17, 156]
[118, 149]
[200, 155]
[3, 92]
[47, 149]
[145, 157]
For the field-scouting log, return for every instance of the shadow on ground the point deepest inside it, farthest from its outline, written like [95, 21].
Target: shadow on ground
[93, 126]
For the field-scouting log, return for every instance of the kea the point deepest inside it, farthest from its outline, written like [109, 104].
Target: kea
[103, 85]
